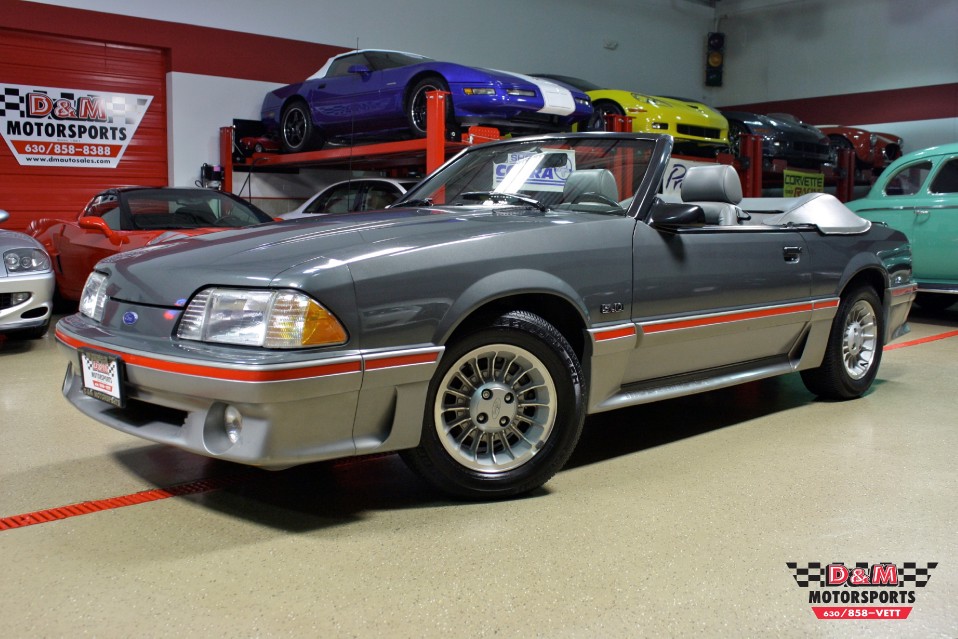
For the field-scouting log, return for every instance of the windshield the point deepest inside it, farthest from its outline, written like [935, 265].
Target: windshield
[578, 83]
[153, 209]
[596, 174]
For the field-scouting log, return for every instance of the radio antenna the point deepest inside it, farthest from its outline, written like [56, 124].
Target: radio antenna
[352, 138]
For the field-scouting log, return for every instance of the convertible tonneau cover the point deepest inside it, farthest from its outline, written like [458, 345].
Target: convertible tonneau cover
[819, 209]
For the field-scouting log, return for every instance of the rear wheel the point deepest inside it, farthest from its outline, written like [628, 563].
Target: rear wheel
[504, 410]
[854, 348]
[297, 131]
[418, 101]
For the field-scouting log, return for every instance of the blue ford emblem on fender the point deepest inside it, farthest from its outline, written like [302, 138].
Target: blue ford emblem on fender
[129, 318]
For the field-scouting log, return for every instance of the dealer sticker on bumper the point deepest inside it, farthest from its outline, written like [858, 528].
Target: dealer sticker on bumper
[103, 377]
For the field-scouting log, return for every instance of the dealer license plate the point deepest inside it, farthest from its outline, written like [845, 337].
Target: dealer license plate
[103, 376]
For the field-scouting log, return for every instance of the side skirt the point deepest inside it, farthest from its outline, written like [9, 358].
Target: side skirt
[699, 382]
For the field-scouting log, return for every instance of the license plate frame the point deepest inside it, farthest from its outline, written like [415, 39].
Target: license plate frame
[103, 376]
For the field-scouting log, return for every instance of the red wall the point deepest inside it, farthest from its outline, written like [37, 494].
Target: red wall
[29, 192]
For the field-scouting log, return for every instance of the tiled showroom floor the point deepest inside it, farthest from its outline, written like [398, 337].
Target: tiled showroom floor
[672, 520]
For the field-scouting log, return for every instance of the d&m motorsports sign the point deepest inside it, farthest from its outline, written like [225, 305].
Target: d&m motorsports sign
[46, 126]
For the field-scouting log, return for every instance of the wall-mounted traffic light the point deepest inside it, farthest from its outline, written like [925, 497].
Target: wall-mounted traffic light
[714, 59]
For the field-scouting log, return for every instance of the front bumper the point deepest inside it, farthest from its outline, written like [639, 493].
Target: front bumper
[294, 412]
[32, 313]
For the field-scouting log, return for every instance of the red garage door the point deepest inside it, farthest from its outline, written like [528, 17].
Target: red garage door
[59, 85]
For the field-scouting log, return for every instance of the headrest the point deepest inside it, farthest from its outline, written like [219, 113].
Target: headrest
[717, 183]
[600, 181]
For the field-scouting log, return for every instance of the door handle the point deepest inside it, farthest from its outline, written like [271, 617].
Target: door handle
[922, 212]
[792, 254]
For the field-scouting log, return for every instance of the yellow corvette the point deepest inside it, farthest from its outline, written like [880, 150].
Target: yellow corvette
[685, 120]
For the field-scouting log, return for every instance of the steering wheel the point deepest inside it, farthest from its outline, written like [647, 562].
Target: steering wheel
[592, 196]
[229, 220]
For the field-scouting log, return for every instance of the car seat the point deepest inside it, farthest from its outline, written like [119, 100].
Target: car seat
[597, 183]
[717, 190]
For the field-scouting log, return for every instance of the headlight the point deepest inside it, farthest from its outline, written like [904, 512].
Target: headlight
[270, 319]
[656, 102]
[25, 260]
[525, 93]
[479, 91]
[93, 296]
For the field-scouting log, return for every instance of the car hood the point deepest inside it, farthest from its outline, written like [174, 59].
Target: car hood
[290, 253]
[794, 129]
[15, 239]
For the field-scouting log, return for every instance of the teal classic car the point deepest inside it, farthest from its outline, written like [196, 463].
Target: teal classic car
[918, 194]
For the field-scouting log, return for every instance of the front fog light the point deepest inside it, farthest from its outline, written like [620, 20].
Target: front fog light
[232, 423]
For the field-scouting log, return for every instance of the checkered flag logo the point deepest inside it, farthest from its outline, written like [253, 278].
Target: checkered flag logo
[910, 573]
[807, 574]
[125, 109]
[812, 574]
[12, 102]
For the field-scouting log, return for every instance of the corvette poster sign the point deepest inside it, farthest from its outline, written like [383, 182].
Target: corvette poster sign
[47, 126]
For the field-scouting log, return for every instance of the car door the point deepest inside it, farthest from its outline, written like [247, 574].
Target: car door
[344, 101]
[715, 296]
[921, 200]
[80, 249]
[934, 227]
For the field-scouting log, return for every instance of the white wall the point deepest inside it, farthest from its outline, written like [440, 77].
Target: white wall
[787, 49]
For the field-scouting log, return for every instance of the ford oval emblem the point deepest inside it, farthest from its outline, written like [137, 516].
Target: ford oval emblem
[129, 318]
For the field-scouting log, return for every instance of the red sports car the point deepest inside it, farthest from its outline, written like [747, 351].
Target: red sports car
[873, 151]
[121, 219]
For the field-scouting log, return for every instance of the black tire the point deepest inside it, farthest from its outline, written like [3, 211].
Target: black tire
[854, 348]
[503, 412]
[600, 110]
[416, 104]
[296, 129]
[935, 302]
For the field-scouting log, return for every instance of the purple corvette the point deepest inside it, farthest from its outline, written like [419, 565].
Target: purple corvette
[375, 92]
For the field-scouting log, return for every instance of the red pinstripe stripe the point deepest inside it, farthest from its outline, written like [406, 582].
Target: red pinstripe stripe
[401, 360]
[627, 331]
[222, 373]
[713, 320]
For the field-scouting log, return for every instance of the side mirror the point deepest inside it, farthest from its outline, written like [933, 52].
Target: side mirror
[361, 69]
[92, 223]
[671, 215]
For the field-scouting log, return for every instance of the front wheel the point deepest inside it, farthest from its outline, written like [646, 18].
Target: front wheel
[417, 104]
[504, 410]
[854, 348]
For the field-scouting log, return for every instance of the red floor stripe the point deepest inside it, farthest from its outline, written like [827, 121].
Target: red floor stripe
[87, 507]
[922, 340]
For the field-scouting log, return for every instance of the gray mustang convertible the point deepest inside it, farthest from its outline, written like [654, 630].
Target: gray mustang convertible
[475, 324]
